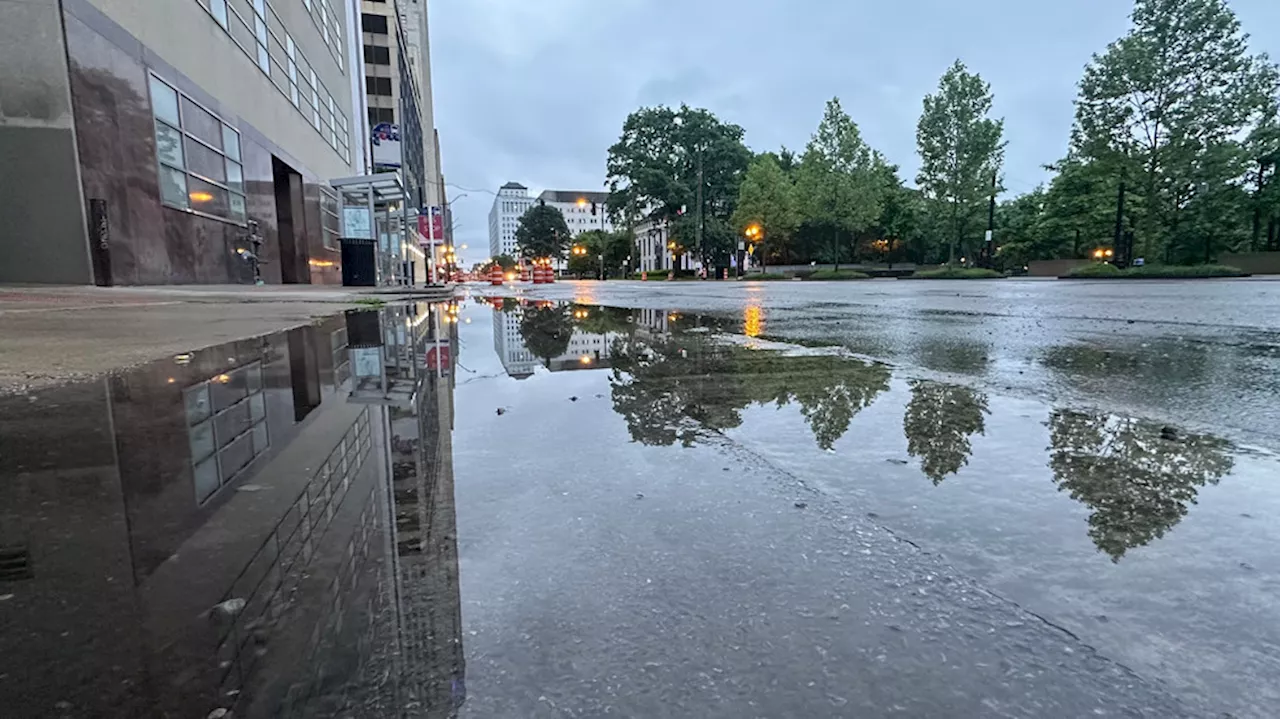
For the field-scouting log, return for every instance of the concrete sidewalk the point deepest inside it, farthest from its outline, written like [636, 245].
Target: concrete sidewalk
[53, 334]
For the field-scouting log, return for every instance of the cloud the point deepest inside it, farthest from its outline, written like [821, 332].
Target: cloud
[536, 92]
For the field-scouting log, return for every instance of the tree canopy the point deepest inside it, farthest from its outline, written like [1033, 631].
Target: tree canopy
[961, 151]
[542, 233]
[1175, 144]
[656, 167]
[840, 187]
[767, 199]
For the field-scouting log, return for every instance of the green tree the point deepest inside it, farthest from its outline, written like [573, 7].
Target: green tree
[1022, 233]
[1163, 109]
[1137, 478]
[1080, 209]
[613, 247]
[657, 166]
[961, 151]
[767, 198]
[899, 222]
[839, 187]
[939, 420]
[542, 233]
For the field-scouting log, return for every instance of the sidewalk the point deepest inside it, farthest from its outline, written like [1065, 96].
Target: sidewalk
[54, 334]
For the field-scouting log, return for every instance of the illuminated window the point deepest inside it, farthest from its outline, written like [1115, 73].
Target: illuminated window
[200, 166]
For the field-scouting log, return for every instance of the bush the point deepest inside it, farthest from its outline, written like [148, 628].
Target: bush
[661, 276]
[1156, 272]
[838, 275]
[955, 273]
[1097, 269]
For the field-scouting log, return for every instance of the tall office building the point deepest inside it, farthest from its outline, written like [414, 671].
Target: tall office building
[509, 206]
[393, 98]
[418, 46]
[169, 142]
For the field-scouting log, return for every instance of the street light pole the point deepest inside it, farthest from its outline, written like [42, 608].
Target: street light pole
[702, 255]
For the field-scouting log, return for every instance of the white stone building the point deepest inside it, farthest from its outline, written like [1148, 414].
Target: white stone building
[511, 203]
[582, 210]
[652, 251]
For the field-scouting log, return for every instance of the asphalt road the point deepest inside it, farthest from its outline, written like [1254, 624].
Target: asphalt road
[1025, 499]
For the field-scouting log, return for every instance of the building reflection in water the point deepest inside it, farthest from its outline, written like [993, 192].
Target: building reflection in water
[265, 527]
[555, 336]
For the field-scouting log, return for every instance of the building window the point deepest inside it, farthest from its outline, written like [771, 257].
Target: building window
[374, 23]
[374, 55]
[256, 28]
[378, 85]
[381, 114]
[226, 427]
[199, 156]
[329, 217]
[291, 51]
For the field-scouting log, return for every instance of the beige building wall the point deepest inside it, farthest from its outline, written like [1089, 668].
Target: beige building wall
[43, 235]
[185, 34]
[418, 39]
[390, 71]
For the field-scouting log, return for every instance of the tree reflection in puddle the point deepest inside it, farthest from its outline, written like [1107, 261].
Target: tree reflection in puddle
[676, 389]
[680, 379]
[939, 422]
[1137, 477]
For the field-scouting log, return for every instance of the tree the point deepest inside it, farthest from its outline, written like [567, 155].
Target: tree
[1136, 477]
[961, 151]
[938, 423]
[614, 247]
[899, 220]
[767, 198]
[542, 233]
[506, 262]
[1021, 223]
[658, 165]
[1163, 108]
[838, 186]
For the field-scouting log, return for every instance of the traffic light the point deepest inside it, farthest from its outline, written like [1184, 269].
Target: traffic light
[593, 208]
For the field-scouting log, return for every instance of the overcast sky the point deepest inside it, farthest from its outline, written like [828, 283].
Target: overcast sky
[536, 92]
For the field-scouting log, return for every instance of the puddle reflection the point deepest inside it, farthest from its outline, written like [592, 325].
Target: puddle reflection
[1138, 478]
[680, 379]
[264, 527]
[939, 423]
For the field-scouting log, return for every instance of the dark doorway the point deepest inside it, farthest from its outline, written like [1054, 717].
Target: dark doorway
[290, 223]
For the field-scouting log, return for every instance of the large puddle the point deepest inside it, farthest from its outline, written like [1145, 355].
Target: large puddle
[494, 509]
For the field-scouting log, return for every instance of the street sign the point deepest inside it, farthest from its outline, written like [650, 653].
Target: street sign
[431, 225]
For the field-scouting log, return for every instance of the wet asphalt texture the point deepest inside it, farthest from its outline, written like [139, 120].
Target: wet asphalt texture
[1054, 502]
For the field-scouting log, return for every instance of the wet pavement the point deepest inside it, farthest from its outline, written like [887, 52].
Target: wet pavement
[727, 502]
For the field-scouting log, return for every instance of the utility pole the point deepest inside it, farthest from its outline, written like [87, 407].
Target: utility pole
[701, 254]
[1257, 206]
[988, 248]
[1122, 253]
